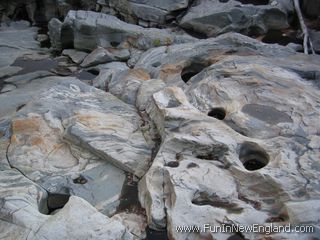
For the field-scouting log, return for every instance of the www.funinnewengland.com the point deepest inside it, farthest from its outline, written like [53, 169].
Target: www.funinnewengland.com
[255, 228]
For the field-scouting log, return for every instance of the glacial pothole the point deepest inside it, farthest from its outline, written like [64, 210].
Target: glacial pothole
[218, 113]
[252, 156]
[172, 164]
[56, 201]
[191, 70]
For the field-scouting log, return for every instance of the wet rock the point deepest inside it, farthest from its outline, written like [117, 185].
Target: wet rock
[216, 17]
[76, 56]
[80, 28]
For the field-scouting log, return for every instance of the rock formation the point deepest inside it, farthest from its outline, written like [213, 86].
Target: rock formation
[121, 131]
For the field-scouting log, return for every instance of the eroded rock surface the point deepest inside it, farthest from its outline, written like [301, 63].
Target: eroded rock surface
[182, 132]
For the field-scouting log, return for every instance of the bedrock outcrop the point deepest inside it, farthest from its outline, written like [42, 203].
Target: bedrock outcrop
[128, 135]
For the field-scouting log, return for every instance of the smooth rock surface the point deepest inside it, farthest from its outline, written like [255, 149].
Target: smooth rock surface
[214, 17]
[86, 30]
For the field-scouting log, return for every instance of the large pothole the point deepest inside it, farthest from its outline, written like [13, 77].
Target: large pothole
[252, 156]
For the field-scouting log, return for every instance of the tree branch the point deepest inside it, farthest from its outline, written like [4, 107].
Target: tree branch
[306, 38]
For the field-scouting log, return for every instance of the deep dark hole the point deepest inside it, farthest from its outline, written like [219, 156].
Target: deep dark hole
[129, 199]
[173, 164]
[56, 201]
[252, 156]
[218, 113]
[254, 2]
[223, 1]
[191, 70]
[277, 36]
[114, 44]
[156, 235]
[21, 13]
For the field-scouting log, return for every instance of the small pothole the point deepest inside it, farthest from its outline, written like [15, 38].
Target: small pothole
[218, 113]
[252, 156]
[172, 164]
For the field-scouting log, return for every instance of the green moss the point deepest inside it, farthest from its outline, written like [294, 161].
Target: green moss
[157, 42]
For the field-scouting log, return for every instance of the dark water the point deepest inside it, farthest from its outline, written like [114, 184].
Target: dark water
[29, 66]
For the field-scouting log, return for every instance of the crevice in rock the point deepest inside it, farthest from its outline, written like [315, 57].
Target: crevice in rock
[129, 199]
[254, 2]
[156, 235]
[202, 198]
[56, 201]
[252, 156]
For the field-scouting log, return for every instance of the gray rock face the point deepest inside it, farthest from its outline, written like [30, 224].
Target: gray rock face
[203, 167]
[214, 17]
[16, 40]
[177, 64]
[152, 12]
[85, 30]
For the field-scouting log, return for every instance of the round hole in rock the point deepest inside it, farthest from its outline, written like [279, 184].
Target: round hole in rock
[252, 156]
[56, 201]
[173, 164]
[156, 64]
[218, 113]
[114, 44]
[191, 70]
[223, 1]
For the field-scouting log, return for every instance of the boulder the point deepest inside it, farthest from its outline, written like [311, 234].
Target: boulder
[204, 168]
[86, 30]
[150, 12]
[214, 17]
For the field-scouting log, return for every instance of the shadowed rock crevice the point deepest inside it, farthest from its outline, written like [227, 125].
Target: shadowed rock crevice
[202, 199]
